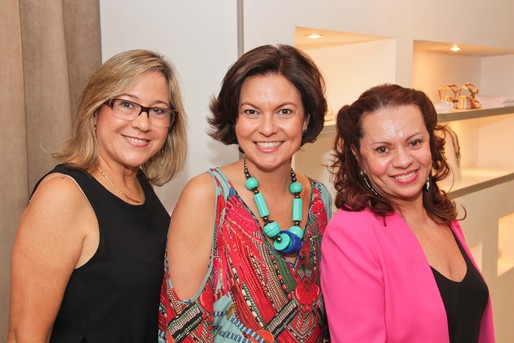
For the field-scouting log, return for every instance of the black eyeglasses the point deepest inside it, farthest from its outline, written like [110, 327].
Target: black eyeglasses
[130, 110]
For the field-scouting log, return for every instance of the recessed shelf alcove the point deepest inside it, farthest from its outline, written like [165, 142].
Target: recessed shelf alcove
[505, 244]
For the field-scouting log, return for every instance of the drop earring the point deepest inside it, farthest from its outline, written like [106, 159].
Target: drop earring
[368, 183]
[427, 184]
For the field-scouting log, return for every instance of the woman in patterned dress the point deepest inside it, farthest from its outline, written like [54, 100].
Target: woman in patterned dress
[232, 273]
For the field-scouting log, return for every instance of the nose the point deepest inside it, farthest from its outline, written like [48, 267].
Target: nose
[268, 125]
[142, 122]
[402, 158]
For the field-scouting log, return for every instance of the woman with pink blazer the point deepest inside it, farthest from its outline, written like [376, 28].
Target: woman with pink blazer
[395, 266]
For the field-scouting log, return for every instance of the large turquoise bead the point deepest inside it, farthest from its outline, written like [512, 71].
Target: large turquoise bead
[295, 229]
[295, 187]
[261, 205]
[251, 183]
[284, 242]
[271, 229]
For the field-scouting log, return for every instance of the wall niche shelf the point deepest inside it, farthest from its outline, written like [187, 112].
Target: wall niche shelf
[476, 179]
[329, 128]
[473, 114]
[505, 246]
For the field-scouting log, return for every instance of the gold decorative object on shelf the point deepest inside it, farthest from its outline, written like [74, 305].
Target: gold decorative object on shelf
[466, 98]
[448, 94]
[460, 98]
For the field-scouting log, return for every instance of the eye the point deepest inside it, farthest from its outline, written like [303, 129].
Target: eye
[285, 112]
[159, 111]
[250, 112]
[416, 143]
[382, 149]
[125, 104]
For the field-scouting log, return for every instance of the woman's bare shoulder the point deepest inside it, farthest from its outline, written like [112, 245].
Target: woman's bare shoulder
[58, 193]
[200, 188]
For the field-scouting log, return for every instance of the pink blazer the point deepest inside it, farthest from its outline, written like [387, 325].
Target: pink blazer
[378, 285]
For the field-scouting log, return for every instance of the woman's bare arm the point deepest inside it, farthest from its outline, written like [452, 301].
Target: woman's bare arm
[190, 236]
[47, 248]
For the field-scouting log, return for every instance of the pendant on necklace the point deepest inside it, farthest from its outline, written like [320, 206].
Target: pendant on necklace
[289, 241]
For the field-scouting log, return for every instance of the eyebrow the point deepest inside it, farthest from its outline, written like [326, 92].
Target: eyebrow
[281, 105]
[135, 98]
[407, 139]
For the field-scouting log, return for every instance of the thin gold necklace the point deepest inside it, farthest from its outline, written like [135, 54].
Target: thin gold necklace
[139, 202]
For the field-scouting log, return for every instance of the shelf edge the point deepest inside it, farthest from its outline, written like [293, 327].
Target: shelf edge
[473, 114]
[481, 185]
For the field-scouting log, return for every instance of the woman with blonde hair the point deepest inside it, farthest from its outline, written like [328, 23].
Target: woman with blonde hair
[87, 260]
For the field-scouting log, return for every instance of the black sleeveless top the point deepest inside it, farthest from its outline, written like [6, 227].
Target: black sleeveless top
[114, 297]
[464, 302]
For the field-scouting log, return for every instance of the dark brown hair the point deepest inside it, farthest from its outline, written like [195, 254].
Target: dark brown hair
[352, 193]
[284, 60]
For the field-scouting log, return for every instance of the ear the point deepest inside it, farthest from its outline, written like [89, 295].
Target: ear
[95, 119]
[306, 123]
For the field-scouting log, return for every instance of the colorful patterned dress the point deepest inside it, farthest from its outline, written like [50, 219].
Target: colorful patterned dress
[251, 293]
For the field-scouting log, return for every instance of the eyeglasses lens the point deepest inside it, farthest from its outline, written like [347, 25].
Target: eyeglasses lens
[129, 110]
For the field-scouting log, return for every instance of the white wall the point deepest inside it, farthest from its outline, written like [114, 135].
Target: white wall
[200, 38]
[443, 69]
[348, 69]
[467, 22]
[499, 80]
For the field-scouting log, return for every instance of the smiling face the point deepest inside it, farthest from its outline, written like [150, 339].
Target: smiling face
[270, 121]
[395, 152]
[131, 143]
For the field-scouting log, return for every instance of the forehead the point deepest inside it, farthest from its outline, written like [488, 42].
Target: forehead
[149, 83]
[267, 84]
[392, 123]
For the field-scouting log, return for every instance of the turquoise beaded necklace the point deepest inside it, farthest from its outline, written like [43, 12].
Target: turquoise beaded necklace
[289, 241]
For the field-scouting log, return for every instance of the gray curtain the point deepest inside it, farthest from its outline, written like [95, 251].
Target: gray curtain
[48, 49]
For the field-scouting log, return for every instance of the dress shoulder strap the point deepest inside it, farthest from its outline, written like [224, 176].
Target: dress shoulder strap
[221, 182]
[325, 196]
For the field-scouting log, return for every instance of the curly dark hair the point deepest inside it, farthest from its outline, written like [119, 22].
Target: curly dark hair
[352, 192]
[285, 60]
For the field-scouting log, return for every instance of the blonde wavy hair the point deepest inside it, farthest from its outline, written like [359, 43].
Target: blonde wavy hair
[112, 78]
